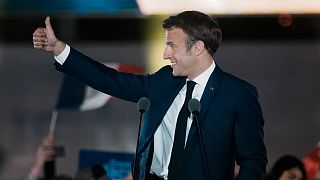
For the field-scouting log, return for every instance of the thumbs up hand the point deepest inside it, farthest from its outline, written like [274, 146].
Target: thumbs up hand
[45, 39]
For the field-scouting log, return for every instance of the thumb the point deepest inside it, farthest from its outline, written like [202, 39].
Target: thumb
[48, 24]
[49, 29]
[50, 33]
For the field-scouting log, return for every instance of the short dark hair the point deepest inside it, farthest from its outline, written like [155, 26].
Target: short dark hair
[198, 26]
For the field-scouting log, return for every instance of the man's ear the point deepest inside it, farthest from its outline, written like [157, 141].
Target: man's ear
[198, 48]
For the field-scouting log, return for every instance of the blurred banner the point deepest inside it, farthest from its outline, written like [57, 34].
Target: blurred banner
[71, 6]
[116, 164]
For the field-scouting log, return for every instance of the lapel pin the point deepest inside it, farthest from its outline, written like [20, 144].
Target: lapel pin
[211, 88]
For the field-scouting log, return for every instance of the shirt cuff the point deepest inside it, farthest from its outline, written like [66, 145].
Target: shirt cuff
[61, 58]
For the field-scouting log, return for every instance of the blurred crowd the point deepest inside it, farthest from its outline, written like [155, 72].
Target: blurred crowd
[287, 167]
[290, 167]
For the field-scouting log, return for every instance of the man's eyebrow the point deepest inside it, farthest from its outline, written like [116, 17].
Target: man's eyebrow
[170, 43]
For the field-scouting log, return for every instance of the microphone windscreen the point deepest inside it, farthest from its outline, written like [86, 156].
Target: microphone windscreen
[143, 104]
[194, 105]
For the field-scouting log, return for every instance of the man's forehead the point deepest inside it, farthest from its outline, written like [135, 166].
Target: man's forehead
[174, 30]
[175, 33]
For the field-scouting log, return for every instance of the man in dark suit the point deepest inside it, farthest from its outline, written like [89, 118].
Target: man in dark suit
[230, 119]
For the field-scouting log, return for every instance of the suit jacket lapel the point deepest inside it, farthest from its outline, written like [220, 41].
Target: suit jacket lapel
[164, 102]
[207, 98]
[159, 105]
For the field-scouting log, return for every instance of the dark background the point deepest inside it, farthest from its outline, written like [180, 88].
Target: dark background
[282, 62]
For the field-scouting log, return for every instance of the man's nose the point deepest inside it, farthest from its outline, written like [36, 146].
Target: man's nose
[166, 54]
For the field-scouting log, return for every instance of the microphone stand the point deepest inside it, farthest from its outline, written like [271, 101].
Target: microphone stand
[138, 139]
[143, 106]
[202, 146]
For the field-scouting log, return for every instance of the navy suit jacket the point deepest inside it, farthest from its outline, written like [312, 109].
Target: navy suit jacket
[230, 117]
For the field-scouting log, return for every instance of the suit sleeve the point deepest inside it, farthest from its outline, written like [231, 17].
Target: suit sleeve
[251, 154]
[125, 86]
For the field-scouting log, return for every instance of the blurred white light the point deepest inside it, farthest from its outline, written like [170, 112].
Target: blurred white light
[159, 7]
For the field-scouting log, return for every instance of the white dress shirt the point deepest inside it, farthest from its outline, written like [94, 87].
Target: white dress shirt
[61, 58]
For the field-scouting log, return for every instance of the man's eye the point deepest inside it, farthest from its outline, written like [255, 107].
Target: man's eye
[171, 45]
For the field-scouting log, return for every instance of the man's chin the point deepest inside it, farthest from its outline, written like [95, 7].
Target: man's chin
[176, 74]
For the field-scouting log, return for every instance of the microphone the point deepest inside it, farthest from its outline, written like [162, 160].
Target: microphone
[143, 106]
[194, 107]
